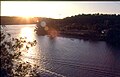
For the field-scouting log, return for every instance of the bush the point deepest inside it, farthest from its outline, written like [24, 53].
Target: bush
[11, 63]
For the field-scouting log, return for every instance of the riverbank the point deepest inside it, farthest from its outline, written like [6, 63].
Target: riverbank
[79, 35]
[101, 38]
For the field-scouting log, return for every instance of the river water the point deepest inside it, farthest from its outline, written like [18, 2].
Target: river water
[69, 57]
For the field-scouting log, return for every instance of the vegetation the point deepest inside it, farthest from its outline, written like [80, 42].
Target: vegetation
[90, 26]
[84, 22]
[95, 26]
[11, 55]
[7, 20]
[11, 63]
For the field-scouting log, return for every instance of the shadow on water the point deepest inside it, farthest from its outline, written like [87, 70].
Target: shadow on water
[116, 54]
[113, 38]
[115, 49]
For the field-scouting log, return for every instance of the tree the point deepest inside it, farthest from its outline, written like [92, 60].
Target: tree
[11, 63]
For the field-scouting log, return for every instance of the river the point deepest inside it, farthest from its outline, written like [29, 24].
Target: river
[69, 57]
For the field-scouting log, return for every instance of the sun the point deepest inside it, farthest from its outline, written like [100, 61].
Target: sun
[26, 17]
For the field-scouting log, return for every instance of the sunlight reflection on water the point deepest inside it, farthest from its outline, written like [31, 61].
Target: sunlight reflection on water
[28, 33]
[32, 53]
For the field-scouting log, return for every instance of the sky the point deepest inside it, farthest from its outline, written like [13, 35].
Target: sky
[58, 9]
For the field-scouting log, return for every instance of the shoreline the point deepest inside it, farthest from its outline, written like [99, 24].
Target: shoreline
[93, 38]
[82, 37]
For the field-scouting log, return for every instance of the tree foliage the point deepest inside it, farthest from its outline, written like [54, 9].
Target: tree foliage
[10, 56]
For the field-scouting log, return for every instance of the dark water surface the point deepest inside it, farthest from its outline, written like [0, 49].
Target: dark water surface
[70, 57]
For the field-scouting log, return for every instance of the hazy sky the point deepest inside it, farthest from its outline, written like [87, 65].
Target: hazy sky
[58, 9]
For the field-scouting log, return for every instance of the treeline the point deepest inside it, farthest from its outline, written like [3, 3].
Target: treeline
[90, 26]
[93, 21]
[12, 20]
[85, 22]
